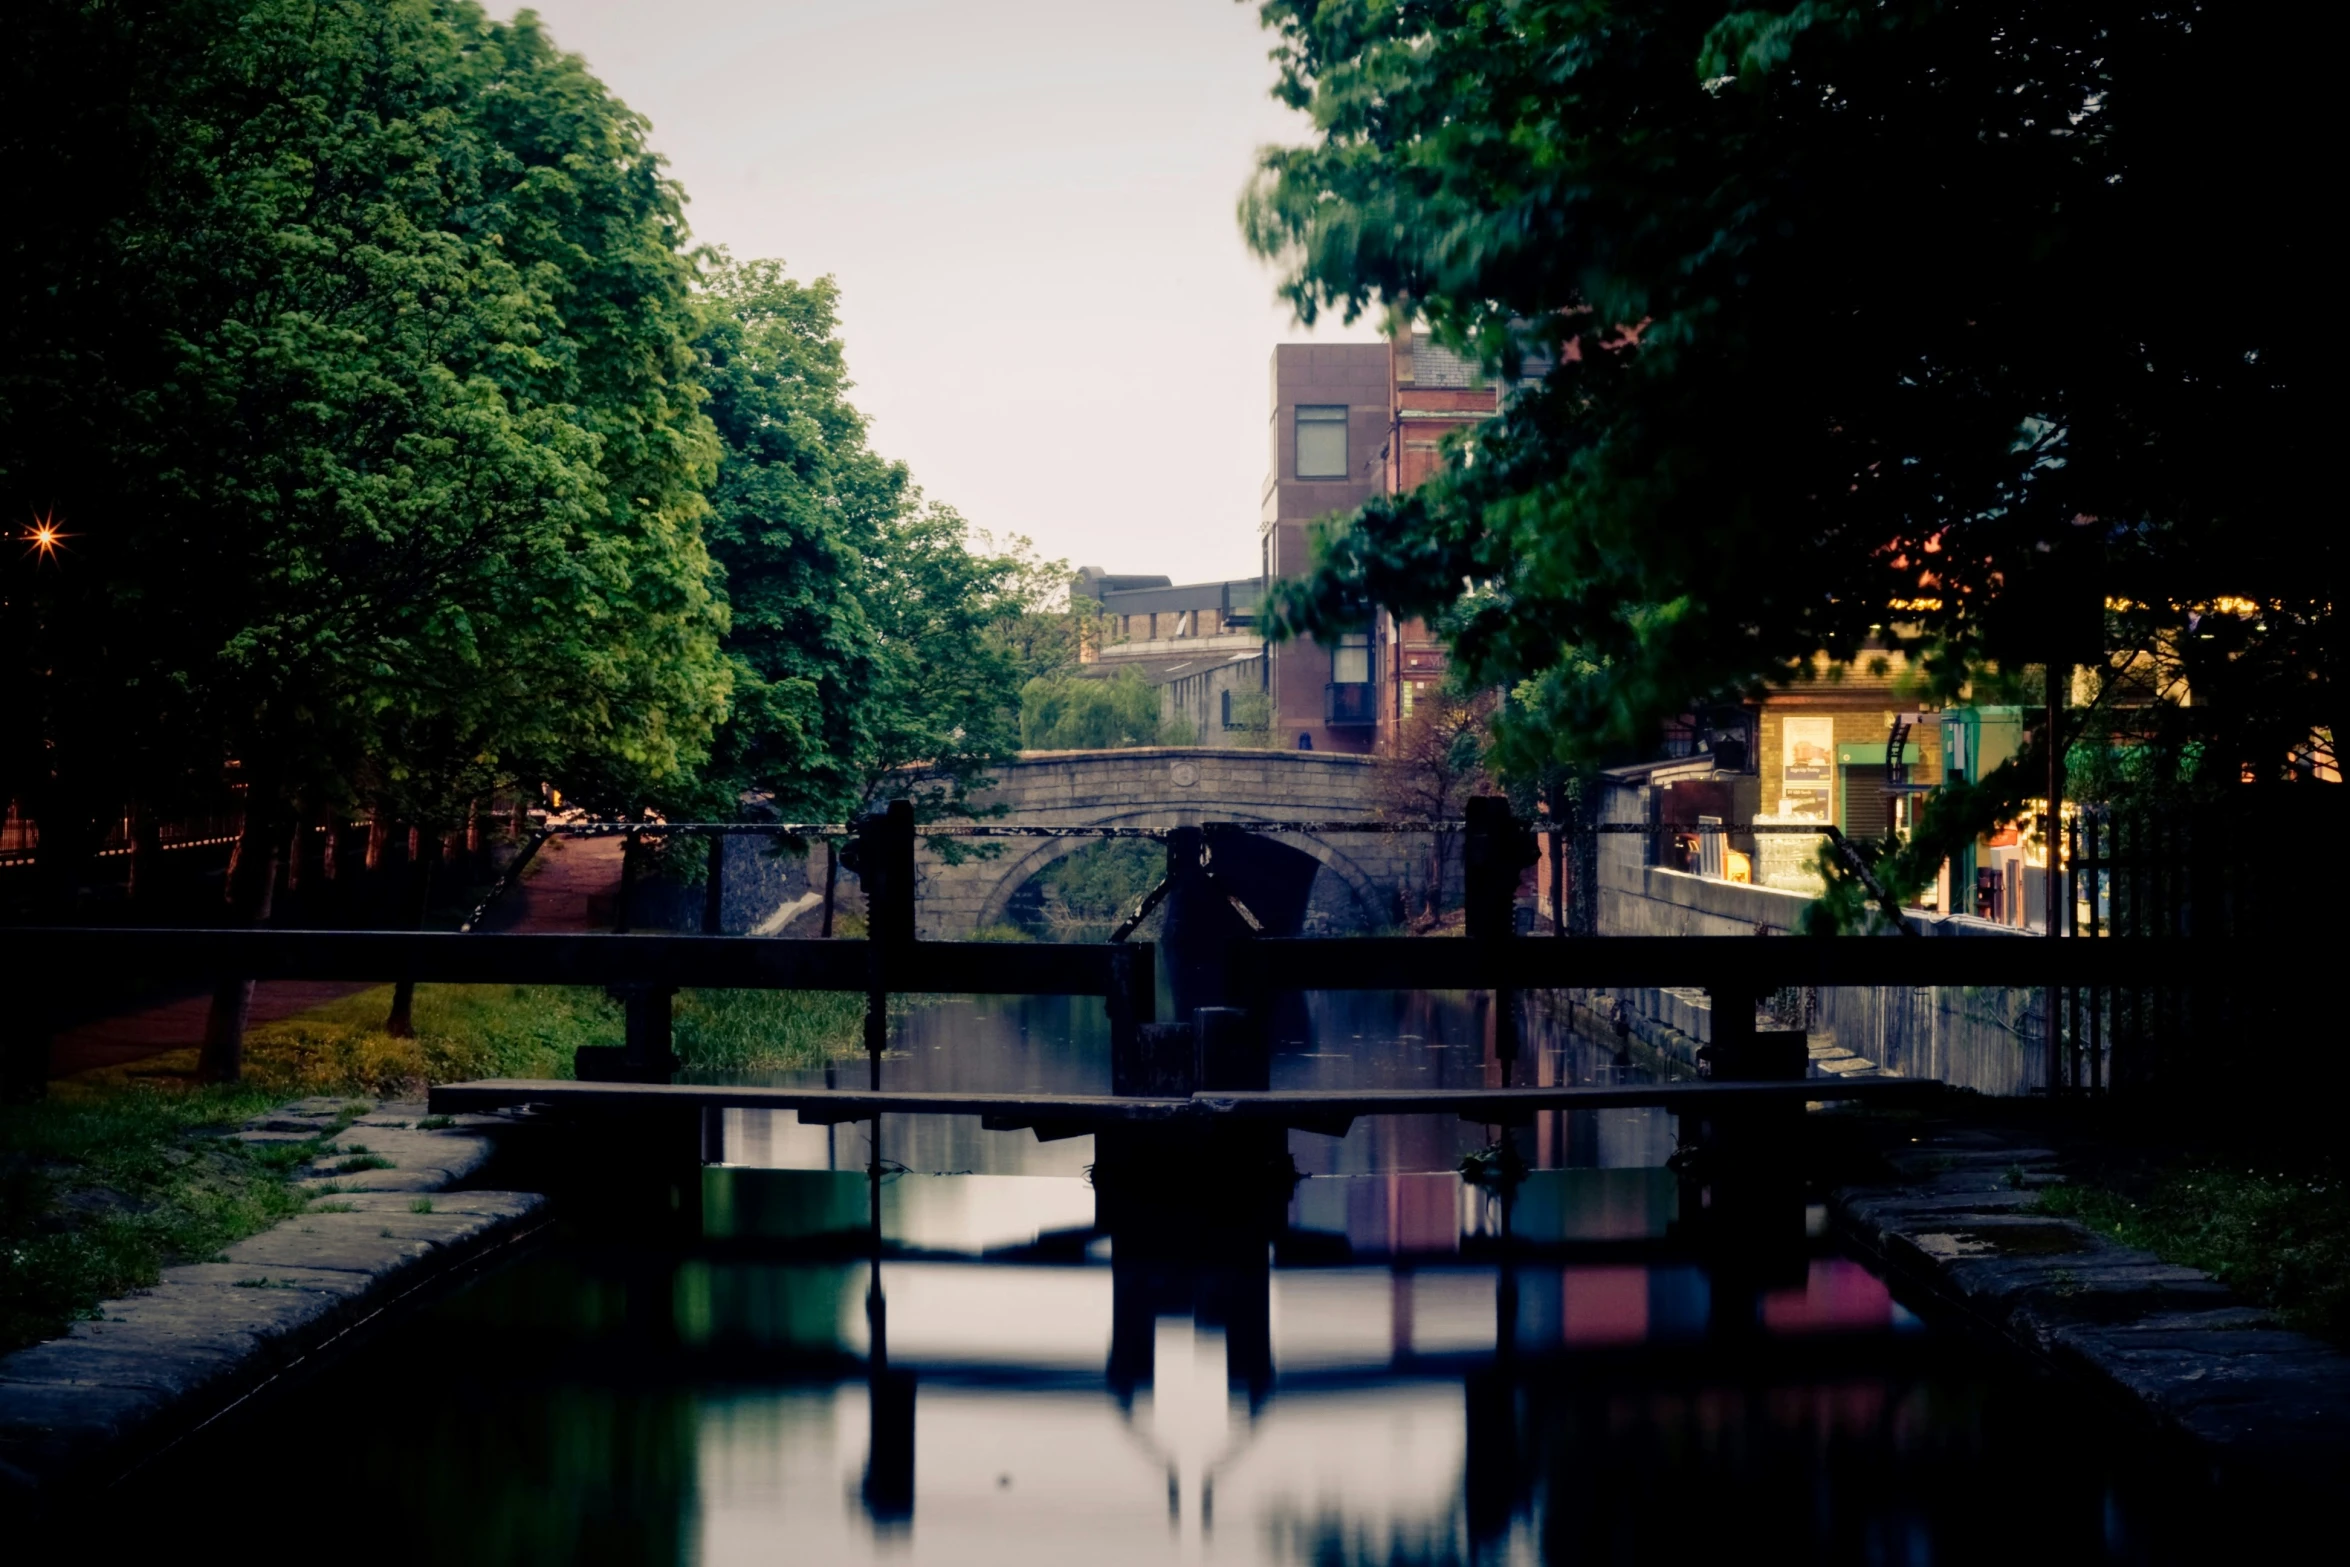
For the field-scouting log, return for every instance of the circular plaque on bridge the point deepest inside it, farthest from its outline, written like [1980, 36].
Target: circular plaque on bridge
[1186, 774]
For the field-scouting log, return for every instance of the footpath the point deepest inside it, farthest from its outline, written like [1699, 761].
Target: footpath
[82, 1411]
[1959, 1220]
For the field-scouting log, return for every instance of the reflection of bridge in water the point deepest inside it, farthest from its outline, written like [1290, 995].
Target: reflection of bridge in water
[1194, 1328]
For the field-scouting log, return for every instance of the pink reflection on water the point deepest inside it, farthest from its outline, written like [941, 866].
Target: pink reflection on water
[1838, 1294]
[1604, 1305]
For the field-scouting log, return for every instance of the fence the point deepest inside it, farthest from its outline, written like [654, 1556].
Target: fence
[2198, 875]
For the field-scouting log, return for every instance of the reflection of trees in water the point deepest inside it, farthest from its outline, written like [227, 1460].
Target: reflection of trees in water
[1083, 896]
[1330, 1539]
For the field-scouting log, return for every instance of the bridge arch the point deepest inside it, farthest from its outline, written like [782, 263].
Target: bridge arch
[1021, 866]
[1161, 787]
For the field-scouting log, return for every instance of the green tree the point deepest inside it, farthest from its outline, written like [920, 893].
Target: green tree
[1065, 712]
[943, 707]
[801, 509]
[1940, 322]
[356, 376]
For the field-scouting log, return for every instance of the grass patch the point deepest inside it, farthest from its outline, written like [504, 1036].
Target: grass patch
[421, 1205]
[2279, 1239]
[365, 1161]
[476, 1031]
[104, 1186]
[718, 1031]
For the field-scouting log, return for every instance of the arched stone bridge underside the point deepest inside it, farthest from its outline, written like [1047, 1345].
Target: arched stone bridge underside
[1355, 887]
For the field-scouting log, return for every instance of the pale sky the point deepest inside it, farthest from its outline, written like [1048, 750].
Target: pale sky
[1028, 205]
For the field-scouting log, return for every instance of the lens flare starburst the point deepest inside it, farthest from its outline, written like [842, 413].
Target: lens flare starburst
[43, 539]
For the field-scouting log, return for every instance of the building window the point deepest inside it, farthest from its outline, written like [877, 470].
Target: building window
[1321, 441]
[1350, 661]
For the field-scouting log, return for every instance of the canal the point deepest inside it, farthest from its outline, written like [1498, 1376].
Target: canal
[970, 1360]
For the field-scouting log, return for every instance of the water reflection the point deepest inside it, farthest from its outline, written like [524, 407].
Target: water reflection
[986, 1385]
[1177, 1357]
[1341, 1040]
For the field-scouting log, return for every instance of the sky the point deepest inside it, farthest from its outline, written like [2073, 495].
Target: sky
[1028, 205]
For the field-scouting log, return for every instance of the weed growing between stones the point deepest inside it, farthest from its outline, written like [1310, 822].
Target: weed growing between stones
[421, 1205]
[2278, 1238]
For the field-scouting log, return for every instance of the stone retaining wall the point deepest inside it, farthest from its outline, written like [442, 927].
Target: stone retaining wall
[81, 1410]
[1984, 1039]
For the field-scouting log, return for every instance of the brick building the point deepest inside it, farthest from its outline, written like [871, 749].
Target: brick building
[1328, 428]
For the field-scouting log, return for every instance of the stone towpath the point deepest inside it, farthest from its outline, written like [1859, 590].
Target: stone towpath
[84, 1409]
[1960, 1220]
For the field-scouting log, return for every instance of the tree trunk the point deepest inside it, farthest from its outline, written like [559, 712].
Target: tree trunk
[379, 838]
[297, 847]
[330, 852]
[251, 892]
[1558, 858]
[401, 1022]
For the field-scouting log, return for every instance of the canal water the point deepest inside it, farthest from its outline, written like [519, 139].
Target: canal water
[975, 1357]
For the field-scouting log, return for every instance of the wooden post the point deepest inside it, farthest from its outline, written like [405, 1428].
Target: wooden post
[646, 1054]
[714, 888]
[1493, 854]
[1200, 927]
[1230, 1054]
[1133, 998]
[885, 865]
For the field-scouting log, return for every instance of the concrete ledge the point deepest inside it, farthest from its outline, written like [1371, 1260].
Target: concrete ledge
[2174, 1341]
[83, 1409]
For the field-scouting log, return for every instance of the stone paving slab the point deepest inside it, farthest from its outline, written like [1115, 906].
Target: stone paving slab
[2185, 1348]
[84, 1407]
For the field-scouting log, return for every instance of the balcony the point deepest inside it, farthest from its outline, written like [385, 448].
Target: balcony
[1350, 704]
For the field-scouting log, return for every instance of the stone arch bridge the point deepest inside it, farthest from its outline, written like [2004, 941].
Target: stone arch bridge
[1356, 885]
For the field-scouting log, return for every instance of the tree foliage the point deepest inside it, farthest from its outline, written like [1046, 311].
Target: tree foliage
[1945, 322]
[1065, 712]
[800, 510]
[351, 354]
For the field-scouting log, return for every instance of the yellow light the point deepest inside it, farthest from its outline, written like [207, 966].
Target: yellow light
[44, 538]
